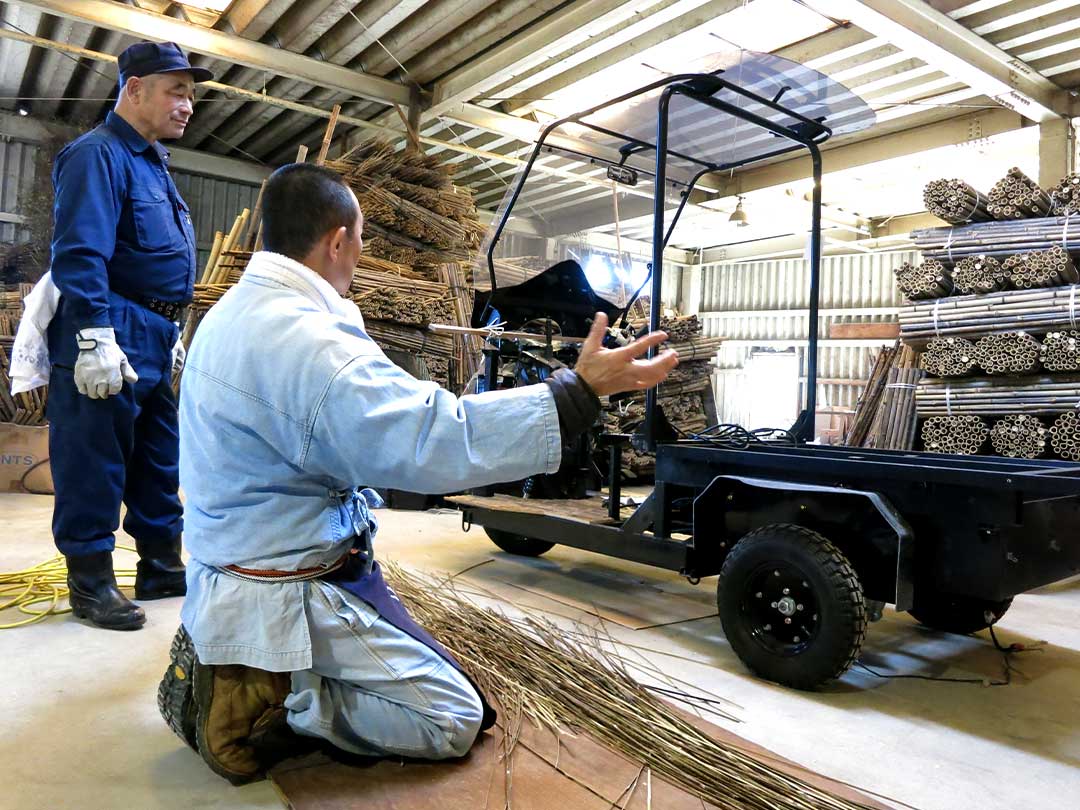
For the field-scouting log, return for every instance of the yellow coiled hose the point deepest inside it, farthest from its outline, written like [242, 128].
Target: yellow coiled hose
[37, 592]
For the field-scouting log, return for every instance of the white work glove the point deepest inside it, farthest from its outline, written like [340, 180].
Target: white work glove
[179, 355]
[102, 367]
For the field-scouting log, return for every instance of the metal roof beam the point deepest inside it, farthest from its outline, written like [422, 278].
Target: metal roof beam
[938, 40]
[634, 37]
[136, 22]
[536, 44]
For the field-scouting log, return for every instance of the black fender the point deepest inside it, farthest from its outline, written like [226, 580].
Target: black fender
[863, 524]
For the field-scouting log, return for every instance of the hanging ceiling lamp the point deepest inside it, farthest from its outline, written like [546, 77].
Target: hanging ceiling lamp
[738, 216]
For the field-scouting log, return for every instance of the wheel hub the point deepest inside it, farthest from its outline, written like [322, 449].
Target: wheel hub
[781, 608]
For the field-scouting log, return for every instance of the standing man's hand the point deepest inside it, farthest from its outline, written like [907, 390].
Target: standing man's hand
[102, 367]
[612, 371]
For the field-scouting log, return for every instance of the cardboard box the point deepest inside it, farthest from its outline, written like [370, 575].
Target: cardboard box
[24, 459]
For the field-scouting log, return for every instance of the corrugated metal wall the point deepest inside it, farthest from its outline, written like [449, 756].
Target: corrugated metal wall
[16, 174]
[762, 301]
[214, 202]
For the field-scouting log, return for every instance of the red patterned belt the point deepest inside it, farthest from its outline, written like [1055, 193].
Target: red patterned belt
[273, 575]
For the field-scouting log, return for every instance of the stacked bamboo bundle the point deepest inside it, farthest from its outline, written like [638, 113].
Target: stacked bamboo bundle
[1019, 436]
[998, 239]
[1040, 268]
[1065, 435]
[1066, 196]
[931, 279]
[957, 434]
[996, 396]
[956, 202]
[1060, 351]
[979, 275]
[1017, 196]
[1034, 311]
[949, 357]
[1008, 353]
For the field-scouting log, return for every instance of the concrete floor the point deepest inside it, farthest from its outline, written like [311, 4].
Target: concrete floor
[81, 729]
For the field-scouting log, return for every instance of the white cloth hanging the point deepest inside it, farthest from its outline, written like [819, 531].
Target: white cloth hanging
[30, 355]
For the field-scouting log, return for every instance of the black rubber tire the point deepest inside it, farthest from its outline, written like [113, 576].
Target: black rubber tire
[518, 543]
[963, 615]
[830, 586]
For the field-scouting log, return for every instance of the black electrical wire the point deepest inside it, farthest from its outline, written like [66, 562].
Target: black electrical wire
[736, 437]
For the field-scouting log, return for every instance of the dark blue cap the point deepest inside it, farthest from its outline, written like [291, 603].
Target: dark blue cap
[145, 58]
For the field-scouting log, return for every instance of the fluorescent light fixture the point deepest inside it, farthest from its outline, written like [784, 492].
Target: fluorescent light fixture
[209, 5]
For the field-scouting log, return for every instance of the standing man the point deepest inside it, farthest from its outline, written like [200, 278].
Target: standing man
[287, 405]
[123, 257]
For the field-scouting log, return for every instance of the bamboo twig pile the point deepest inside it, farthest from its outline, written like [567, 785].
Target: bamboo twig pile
[931, 279]
[956, 202]
[570, 682]
[979, 275]
[1065, 435]
[1017, 196]
[949, 357]
[1008, 353]
[958, 434]
[1019, 436]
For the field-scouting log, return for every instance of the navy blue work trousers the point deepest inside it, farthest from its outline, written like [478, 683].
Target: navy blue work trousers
[120, 450]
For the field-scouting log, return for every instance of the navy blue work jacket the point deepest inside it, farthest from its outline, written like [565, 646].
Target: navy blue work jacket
[120, 224]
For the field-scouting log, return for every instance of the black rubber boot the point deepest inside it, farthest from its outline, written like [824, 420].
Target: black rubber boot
[160, 572]
[95, 597]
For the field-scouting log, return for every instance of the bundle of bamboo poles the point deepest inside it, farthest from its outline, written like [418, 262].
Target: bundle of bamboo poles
[978, 275]
[867, 407]
[1034, 311]
[571, 681]
[956, 202]
[410, 339]
[1008, 353]
[1065, 435]
[1060, 351]
[894, 423]
[1040, 268]
[1066, 196]
[26, 408]
[949, 357]
[467, 349]
[998, 396]
[1019, 435]
[931, 279]
[1017, 196]
[957, 434]
[998, 239]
